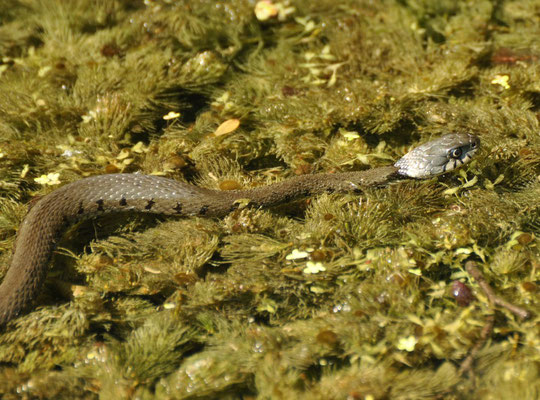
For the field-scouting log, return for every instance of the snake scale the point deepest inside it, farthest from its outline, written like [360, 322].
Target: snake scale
[48, 218]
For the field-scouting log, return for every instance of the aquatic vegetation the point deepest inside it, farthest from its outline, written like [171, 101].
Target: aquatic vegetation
[338, 296]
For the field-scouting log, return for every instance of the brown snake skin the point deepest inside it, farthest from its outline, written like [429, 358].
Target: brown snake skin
[51, 215]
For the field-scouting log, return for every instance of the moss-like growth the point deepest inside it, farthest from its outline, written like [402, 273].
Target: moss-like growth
[339, 296]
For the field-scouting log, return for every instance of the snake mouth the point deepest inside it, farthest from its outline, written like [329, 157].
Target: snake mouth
[454, 162]
[462, 154]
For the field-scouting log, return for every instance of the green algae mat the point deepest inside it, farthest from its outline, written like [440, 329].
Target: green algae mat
[339, 296]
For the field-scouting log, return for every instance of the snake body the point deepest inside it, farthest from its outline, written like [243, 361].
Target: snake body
[51, 215]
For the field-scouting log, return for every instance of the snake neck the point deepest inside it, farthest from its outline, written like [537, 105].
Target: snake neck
[311, 185]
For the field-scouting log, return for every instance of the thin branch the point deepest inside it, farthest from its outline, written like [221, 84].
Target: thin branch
[473, 270]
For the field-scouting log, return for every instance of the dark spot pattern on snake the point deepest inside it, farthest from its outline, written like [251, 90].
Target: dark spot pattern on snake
[100, 203]
[150, 204]
[204, 210]
[178, 208]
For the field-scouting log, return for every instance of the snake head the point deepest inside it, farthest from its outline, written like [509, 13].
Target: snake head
[438, 156]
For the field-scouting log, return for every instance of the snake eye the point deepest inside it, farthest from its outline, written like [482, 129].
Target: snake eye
[473, 145]
[455, 153]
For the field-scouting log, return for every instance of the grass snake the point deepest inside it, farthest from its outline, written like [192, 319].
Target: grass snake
[48, 218]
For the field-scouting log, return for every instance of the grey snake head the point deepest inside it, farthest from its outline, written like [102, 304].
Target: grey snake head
[438, 156]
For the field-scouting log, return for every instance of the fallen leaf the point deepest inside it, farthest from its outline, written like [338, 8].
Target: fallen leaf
[227, 127]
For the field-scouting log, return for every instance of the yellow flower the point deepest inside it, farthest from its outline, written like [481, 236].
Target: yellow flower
[501, 80]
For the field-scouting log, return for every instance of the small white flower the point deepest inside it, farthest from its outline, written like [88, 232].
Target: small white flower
[171, 115]
[296, 255]
[407, 343]
[314, 267]
[50, 179]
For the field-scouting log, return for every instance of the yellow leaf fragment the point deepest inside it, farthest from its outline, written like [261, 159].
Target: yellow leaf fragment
[451, 191]
[491, 185]
[227, 127]
[139, 148]
[470, 183]
[265, 10]
[44, 70]
[124, 153]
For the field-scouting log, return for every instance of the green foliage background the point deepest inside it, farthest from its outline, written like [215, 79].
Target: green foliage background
[194, 308]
